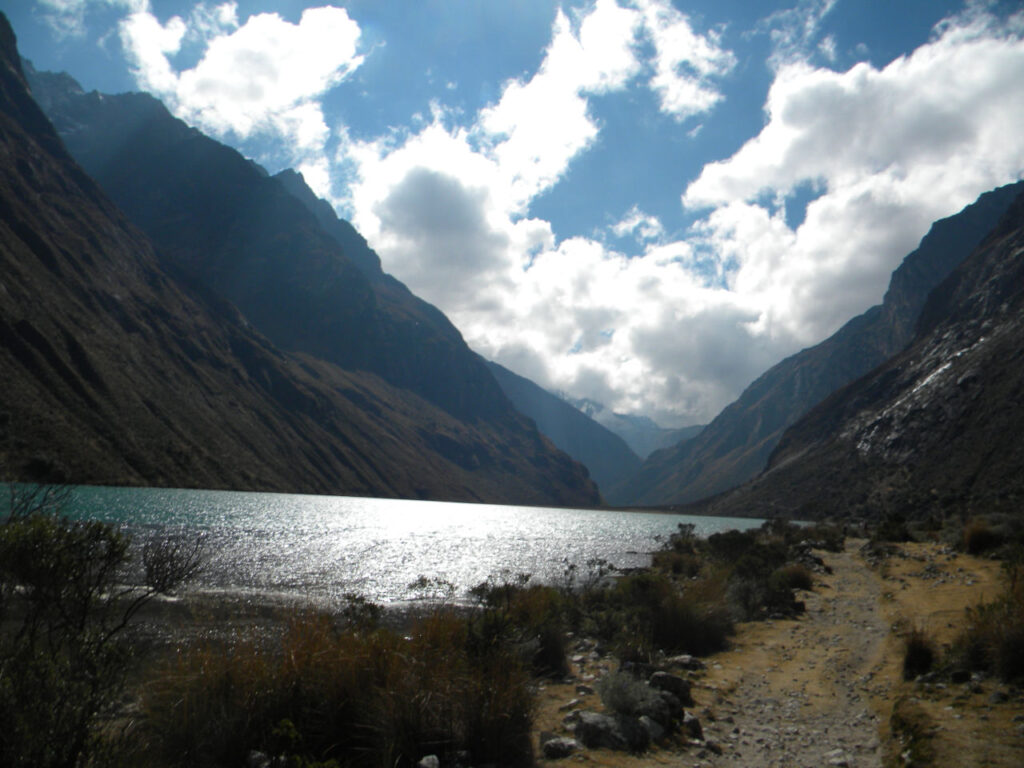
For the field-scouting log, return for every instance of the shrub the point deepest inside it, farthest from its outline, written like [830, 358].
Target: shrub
[369, 698]
[993, 638]
[793, 576]
[685, 564]
[827, 536]
[918, 653]
[63, 610]
[979, 537]
[624, 694]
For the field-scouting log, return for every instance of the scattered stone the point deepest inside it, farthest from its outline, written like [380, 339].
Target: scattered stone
[558, 747]
[675, 685]
[585, 690]
[257, 759]
[998, 697]
[573, 704]
[429, 761]
[714, 747]
[838, 758]
[685, 661]
[692, 727]
[570, 720]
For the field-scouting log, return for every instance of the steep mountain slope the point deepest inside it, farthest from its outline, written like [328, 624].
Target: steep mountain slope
[115, 372]
[302, 277]
[736, 445]
[605, 454]
[641, 433]
[936, 428]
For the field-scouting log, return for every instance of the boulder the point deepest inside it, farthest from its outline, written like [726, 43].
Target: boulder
[597, 731]
[558, 747]
[674, 684]
[654, 729]
[685, 661]
[692, 727]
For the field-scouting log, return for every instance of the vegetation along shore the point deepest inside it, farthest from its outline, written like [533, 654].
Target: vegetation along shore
[783, 645]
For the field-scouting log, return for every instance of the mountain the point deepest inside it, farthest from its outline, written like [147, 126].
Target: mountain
[641, 433]
[736, 445]
[117, 371]
[936, 429]
[604, 453]
[304, 278]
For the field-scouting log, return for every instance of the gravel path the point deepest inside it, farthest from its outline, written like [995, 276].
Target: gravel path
[796, 693]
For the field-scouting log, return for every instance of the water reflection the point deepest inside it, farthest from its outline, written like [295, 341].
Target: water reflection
[322, 547]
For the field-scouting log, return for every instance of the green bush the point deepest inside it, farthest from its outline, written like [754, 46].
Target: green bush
[63, 610]
[624, 694]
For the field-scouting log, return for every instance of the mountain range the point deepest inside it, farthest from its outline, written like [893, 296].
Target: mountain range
[936, 429]
[172, 314]
[736, 445]
[218, 336]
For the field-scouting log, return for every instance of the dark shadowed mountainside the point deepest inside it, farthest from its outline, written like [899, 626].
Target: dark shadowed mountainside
[641, 433]
[116, 372]
[305, 279]
[604, 453]
[936, 429]
[736, 445]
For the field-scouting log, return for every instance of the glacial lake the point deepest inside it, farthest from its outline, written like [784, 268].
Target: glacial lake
[318, 548]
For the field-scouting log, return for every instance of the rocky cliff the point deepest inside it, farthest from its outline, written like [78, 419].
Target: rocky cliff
[934, 430]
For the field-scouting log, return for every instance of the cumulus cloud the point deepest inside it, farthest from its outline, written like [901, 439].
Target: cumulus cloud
[446, 209]
[685, 62]
[265, 75]
[676, 327]
[892, 149]
[640, 225]
[794, 31]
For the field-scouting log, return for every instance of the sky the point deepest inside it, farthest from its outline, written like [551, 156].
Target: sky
[642, 202]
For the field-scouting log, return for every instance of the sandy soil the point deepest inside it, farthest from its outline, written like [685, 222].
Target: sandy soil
[819, 690]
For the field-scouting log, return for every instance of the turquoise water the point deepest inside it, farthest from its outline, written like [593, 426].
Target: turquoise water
[319, 548]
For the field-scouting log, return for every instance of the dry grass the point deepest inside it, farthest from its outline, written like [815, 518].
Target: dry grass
[363, 699]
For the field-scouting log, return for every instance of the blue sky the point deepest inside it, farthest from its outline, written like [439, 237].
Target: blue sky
[641, 202]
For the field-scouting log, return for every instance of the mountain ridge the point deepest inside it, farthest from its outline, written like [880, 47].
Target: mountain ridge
[116, 372]
[935, 429]
[736, 445]
[260, 243]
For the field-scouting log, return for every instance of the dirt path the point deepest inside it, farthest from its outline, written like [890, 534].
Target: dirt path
[798, 693]
[820, 690]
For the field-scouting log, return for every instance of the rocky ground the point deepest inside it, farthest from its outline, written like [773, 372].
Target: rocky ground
[820, 690]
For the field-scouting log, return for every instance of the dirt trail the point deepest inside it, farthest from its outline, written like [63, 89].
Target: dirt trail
[798, 693]
[819, 690]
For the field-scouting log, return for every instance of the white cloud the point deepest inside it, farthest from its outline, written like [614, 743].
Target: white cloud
[892, 149]
[642, 226]
[685, 62]
[677, 329]
[445, 209]
[67, 17]
[263, 76]
[793, 31]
